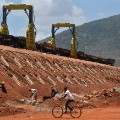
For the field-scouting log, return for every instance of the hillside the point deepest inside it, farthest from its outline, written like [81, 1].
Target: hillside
[22, 69]
[100, 38]
[25, 67]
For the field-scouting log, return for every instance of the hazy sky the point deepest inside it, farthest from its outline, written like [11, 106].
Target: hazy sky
[48, 12]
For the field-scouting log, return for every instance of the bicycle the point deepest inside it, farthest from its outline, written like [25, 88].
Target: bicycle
[57, 111]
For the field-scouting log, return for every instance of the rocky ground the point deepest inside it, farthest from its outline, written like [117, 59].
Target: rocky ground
[96, 87]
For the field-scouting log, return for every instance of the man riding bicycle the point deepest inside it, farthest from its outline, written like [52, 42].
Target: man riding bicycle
[70, 99]
[75, 110]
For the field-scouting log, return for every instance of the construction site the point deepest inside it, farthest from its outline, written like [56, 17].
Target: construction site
[26, 64]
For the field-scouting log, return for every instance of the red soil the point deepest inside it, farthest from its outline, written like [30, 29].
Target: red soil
[23, 69]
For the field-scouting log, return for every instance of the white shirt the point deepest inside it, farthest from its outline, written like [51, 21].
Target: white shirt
[33, 91]
[69, 95]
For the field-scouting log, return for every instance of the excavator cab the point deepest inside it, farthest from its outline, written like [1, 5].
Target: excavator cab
[30, 33]
[55, 27]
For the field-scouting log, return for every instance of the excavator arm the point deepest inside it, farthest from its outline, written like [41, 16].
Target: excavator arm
[30, 34]
[55, 27]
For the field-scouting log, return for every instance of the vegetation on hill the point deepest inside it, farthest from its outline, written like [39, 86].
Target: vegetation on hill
[100, 38]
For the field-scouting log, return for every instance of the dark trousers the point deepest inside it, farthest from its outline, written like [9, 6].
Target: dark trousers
[49, 97]
[46, 97]
[53, 94]
[67, 104]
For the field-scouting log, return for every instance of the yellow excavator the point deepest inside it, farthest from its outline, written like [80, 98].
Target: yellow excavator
[55, 27]
[30, 33]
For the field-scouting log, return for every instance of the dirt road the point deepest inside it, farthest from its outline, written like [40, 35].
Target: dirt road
[112, 113]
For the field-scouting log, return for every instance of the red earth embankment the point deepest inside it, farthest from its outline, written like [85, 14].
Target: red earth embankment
[22, 69]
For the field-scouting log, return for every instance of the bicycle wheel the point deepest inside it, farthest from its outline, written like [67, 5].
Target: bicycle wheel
[75, 112]
[57, 111]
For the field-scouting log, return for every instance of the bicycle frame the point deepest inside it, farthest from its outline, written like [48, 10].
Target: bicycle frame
[60, 102]
[57, 110]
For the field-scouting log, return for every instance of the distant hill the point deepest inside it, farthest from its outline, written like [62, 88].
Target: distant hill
[100, 38]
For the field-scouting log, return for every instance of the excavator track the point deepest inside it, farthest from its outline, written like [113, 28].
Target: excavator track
[20, 42]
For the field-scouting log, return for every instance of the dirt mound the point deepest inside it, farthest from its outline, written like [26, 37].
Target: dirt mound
[7, 110]
[22, 69]
[107, 98]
